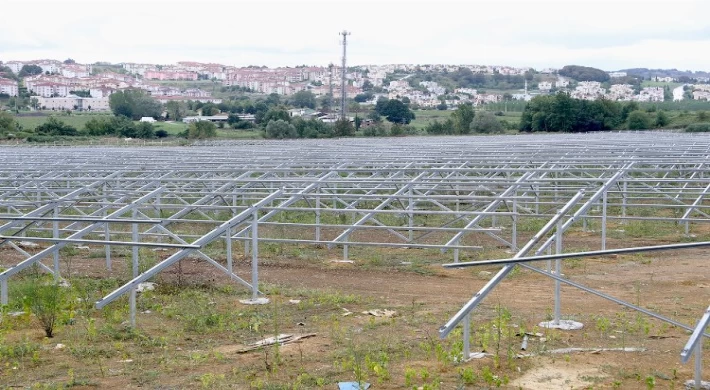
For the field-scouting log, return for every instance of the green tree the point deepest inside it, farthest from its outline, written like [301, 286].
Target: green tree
[374, 116]
[176, 110]
[6, 72]
[343, 128]
[233, 120]
[326, 102]
[8, 124]
[440, 128]
[30, 70]
[302, 99]
[396, 112]
[275, 113]
[462, 118]
[628, 108]
[280, 129]
[563, 115]
[55, 127]
[201, 130]
[584, 73]
[273, 99]
[363, 97]
[121, 126]
[97, 127]
[45, 302]
[209, 109]
[485, 122]
[662, 119]
[638, 120]
[667, 94]
[134, 104]
[145, 130]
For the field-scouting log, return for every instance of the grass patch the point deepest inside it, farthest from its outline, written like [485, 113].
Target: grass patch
[76, 120]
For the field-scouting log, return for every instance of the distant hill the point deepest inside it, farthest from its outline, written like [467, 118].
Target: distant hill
[584, 73]
[675, 73]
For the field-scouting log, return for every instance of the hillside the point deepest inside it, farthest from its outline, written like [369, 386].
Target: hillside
[675, 73]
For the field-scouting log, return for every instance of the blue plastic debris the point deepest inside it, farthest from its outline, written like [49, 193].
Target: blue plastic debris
[352, 386]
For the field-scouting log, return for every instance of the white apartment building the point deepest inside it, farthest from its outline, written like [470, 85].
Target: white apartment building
[49, 89]
[8, 87]
[73, 102]
[544, 86]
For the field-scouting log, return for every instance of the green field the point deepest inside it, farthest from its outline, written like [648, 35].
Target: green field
[424, 117]
[173, 128]
[648, 83]
[239, 134]
[76, 120]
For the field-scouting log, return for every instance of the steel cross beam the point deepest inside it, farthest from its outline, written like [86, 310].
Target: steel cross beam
[201, 242]
[369, 215]
[28, 262]
[497, 278]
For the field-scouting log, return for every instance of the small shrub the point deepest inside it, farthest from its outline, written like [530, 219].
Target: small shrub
[698, 128]
[45, 301]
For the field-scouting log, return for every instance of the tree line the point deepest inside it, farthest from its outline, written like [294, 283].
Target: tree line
[562, 113]
[465, 120]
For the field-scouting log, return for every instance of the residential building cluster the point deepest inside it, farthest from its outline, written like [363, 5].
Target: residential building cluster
[57, 86]
[701, 92]
[8, 87]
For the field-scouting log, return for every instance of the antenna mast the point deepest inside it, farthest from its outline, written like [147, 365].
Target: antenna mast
[330, 87]
[343, 80]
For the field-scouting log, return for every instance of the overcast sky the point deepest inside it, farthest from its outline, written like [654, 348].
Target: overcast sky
[607, 34]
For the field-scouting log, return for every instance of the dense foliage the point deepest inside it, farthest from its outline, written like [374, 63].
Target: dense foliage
[8, 124]
[119, 126]
[201, 130]
[134, 104]
[562, 113]
[698, 128]
[466, 78]
[584, 73]
[486, 123]
[394, 111]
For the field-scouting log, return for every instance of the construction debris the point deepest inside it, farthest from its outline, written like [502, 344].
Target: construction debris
[352, 386]
[27, 245]
[380, 313]
[595, 350]
[281, 339]
[145, 286]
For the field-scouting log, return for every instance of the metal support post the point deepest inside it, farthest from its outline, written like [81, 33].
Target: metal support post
[255, 255]
[410, 207]
[3, 292]
[467, 337]
[604, 207]
[623, 202]
[55, 234]
[456, 252]
[558, 271]
[107, 237]
[697, 377]
[228, 242]
[134, 257]
[246, 244]
[318, 214]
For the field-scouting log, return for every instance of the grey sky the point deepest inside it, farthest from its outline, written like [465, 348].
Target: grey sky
[602, 33]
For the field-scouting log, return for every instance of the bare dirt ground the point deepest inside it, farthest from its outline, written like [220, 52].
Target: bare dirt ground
[675, 284]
